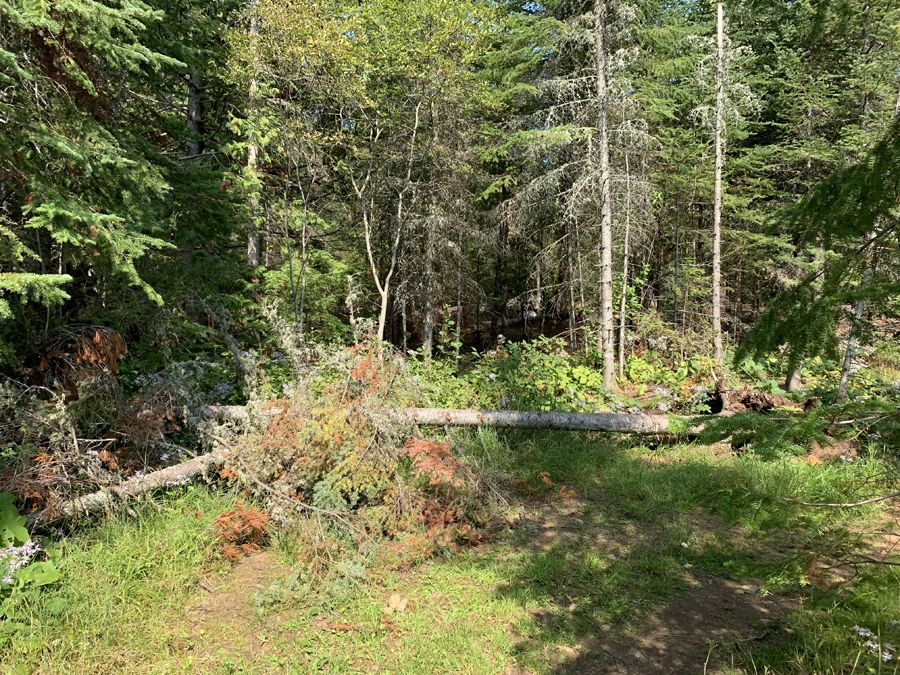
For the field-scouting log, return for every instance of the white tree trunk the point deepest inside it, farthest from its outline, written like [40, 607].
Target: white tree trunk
[512, 419]
[105, 500]
[718, 351]
[625, 269]
[253, 238]
[605, 196]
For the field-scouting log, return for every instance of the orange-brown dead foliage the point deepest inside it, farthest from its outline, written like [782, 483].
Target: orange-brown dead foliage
[242, 530]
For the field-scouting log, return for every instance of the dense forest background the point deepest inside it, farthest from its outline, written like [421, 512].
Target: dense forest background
[248, 246]
[443, 173]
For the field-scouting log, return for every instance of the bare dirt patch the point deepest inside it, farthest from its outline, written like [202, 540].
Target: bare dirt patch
[223, 621]
[836, 449]
[691, 635]
[694, 633]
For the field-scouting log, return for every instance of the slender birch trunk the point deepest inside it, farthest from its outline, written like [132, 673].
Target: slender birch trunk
[852, 343]
[431, 224]
[718, 351]
[303, 259]
[625, 269]
[428, 282]
[570, 272]
[253, 238]
[459, 296]
[605, 197]
[290, 252]
[384, 286]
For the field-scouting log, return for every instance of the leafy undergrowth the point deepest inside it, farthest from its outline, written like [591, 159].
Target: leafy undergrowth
[616, 558]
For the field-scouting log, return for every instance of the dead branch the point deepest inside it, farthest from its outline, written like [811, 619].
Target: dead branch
[844, 506]
[304, 506]
[107, 498]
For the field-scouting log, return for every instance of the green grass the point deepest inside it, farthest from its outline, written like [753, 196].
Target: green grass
[122, 582]
[650, 521]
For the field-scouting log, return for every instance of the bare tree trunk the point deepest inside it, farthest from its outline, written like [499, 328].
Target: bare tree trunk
[431, 224]
[459, 293]
[106, 499]
[625, 269]
[253, 238]
[287, 239]
[513, 419]
[606, 308]
[860, 306]
[850, 353]
[303, 259]
[500, 276]
[403, 324]
[573, 336]
[428, 281]
[194, 144]
[718, 351]
[853, 338]
[384, 286]
[793, 381]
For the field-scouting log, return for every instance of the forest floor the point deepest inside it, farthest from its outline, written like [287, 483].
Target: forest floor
[675, 560]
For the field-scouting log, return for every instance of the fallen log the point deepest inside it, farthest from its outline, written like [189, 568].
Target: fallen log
[504, 419]
[106, 498]
[517, 419]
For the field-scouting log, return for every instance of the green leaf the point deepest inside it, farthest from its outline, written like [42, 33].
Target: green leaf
[12, 525]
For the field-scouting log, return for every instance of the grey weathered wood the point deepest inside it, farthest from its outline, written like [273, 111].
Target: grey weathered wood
[507, 419]
[104, 500]
[514, 419]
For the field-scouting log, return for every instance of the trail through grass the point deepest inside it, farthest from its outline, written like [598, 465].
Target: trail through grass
[618, 558]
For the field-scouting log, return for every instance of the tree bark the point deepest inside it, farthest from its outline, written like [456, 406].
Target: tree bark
[511, 419]
[507, 419]
[253, 237]
[605, 197]
[428, 244]
[624, 269]
[104, 500]
[718, 351]
[793, 381]
[194, 144]
[853, 338]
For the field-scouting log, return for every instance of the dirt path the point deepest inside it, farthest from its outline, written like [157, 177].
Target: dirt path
[696, 631]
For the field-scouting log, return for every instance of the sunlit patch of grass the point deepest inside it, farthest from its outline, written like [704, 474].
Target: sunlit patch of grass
[122, 582]
[649, 520]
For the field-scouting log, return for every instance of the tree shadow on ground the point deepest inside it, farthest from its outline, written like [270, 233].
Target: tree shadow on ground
[657, 565]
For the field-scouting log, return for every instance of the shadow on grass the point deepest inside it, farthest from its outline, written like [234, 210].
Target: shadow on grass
[656, 565]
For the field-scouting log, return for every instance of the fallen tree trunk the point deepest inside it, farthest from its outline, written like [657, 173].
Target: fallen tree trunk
[105, 499]
[516, 419]
[504, 419]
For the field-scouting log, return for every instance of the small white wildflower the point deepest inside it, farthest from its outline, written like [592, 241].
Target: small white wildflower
[684, 544]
